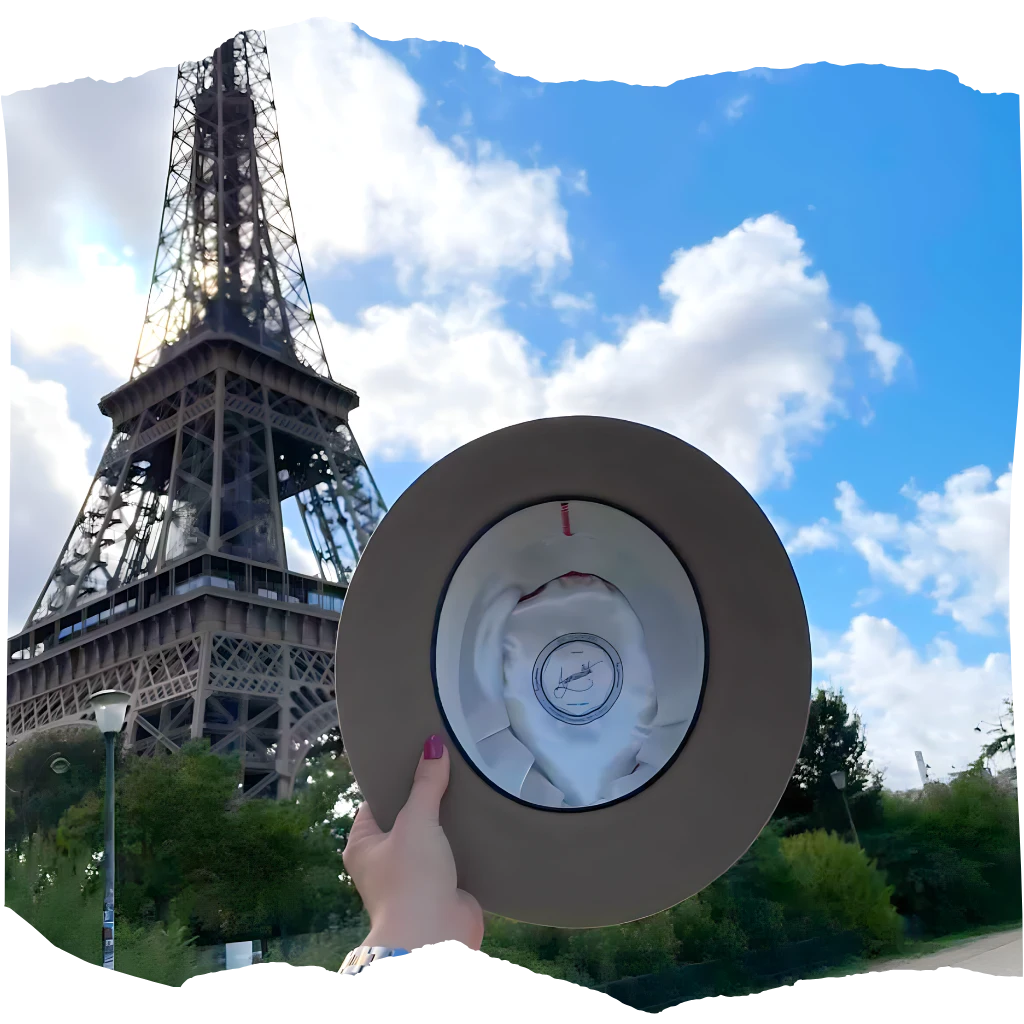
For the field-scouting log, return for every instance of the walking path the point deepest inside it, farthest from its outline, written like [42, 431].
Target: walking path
[1001, 954]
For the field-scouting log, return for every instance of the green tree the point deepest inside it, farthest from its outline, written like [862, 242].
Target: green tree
[952, 853]
[1005, 740]
[189, 850]
[834, 741]
[46, 774]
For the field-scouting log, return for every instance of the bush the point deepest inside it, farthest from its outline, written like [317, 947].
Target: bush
[839, 885]
[625, 951]
[563, 966]
[63, 901]
[156, 953]
[757, 900]
[585, 957]
[36, 796]
[545, 943]
[537, 948]
[321, 949]
[56, 896]
[952, 855]
[702, 935]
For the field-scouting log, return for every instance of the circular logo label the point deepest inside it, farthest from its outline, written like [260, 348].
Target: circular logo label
[577, 678]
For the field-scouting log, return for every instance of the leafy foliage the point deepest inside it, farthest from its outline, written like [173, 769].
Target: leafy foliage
[36, 795]
[625, 951]
[1005, 741]
[837, 882]
[189, 851]
[197, 864]
[64, 902]
[834, 741]
[952, 854]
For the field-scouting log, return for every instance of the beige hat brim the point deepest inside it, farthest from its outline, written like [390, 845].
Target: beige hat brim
[627, 860]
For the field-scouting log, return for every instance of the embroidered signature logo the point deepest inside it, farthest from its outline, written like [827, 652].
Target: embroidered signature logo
[563, 682]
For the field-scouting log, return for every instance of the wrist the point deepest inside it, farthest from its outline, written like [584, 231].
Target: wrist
[412, 933]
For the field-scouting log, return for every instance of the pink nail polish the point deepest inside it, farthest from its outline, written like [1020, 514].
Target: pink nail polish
[433, 748]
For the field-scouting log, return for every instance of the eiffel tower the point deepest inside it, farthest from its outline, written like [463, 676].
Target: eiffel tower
[174, 582]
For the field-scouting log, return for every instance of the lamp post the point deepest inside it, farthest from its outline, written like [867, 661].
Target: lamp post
[110, 707]
[839, 781]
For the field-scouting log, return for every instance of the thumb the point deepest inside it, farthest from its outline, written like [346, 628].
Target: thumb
[428, 785]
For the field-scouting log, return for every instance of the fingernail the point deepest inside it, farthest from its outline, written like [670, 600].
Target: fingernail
[433, 748]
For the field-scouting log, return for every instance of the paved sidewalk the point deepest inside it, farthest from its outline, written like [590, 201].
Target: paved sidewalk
[1001, 954]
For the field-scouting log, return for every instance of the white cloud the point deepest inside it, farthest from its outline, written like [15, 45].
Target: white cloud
[955, 549]
[816, 537]
[300, 557]
[69, 148]
[578, 183]
[95, 307]
[909, 702]
[429, 378]
[743, 364]
[368, 180]
[577, 303]
[735, 108]
[887, 354]
[50, 477]
[867, 596]
[569, 307]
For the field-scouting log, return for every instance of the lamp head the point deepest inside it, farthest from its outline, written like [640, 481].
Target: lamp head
[839, 780]
[110, 707]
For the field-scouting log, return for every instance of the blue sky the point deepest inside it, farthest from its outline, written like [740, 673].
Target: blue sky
[905, 186]
[514, 218]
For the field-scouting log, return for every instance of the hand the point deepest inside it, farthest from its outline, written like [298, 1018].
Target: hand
[406, 877]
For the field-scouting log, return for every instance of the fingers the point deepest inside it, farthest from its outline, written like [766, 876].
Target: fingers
[364, 824]
[428, 786]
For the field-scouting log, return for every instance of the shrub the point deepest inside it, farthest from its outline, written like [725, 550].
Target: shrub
[156, 953]
[563, 967]
[61, 899]
[952, 855]
[757, 899]
[320, 949]
[838, 882]
[55, 896]
[701, 935]
[625, 951]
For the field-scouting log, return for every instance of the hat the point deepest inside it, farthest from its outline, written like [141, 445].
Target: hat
[608, 633]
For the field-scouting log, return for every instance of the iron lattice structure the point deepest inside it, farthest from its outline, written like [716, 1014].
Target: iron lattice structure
[174, 581]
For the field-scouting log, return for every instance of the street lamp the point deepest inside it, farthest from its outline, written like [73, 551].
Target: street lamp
[839, 781]
[110, 707]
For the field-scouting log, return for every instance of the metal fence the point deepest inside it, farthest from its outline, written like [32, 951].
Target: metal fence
[751, 972]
